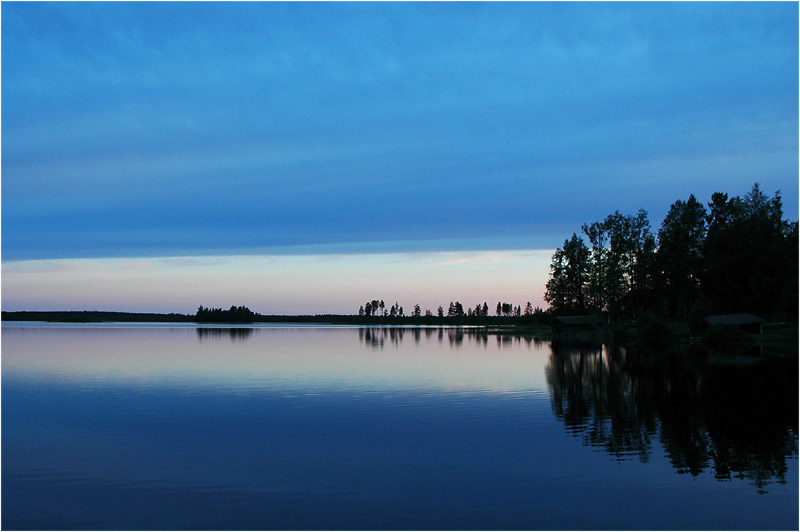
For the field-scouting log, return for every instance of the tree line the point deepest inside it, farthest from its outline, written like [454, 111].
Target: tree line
[739, 255]
[377, 308]
[234, 314]
[93, 316]
[244, 315]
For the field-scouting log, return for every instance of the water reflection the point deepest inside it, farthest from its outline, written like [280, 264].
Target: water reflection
[377, 337]
[217, 333]
[380, 337]
[278, 358]
[739, 421]
[341, 428]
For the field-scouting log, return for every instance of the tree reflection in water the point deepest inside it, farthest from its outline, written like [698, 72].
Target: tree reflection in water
[216, 333]
[380, 337]
[739, 420]
[736, 420]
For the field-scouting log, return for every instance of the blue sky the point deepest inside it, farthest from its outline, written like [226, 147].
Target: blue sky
[155, 130]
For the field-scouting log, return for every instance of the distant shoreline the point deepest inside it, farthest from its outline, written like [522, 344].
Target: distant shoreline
[778, 339]
[99, 316]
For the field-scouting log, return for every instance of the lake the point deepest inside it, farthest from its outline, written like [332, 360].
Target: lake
[164, 426]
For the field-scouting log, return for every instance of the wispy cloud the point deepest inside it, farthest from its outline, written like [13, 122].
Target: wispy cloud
[142, 129]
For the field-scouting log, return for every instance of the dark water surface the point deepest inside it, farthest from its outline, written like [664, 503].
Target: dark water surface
[147, 427]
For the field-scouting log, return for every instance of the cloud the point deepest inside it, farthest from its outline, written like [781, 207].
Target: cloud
[172, 129]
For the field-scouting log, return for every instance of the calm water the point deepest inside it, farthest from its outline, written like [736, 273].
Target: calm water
[154, 427]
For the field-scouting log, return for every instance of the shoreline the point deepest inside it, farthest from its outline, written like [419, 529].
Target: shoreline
[779, 338]
[98, 316]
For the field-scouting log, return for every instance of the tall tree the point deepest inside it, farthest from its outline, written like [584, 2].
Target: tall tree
[739, 256]
[622, 271]
[566, 291]
[751, 265]
[680, 255]
[633, 247]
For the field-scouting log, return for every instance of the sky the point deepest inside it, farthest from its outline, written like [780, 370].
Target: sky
[308, 157]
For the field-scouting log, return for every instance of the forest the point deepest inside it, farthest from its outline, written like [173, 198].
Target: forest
[737, 255]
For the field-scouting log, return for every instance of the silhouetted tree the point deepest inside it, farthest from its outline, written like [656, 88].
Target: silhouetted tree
[622, 267]
[680, 255]
[566, 291]
[750, 255]
[234, 314]
[741, 256]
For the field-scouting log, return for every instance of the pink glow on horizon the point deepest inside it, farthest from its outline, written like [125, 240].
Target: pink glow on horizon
[278, 284]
